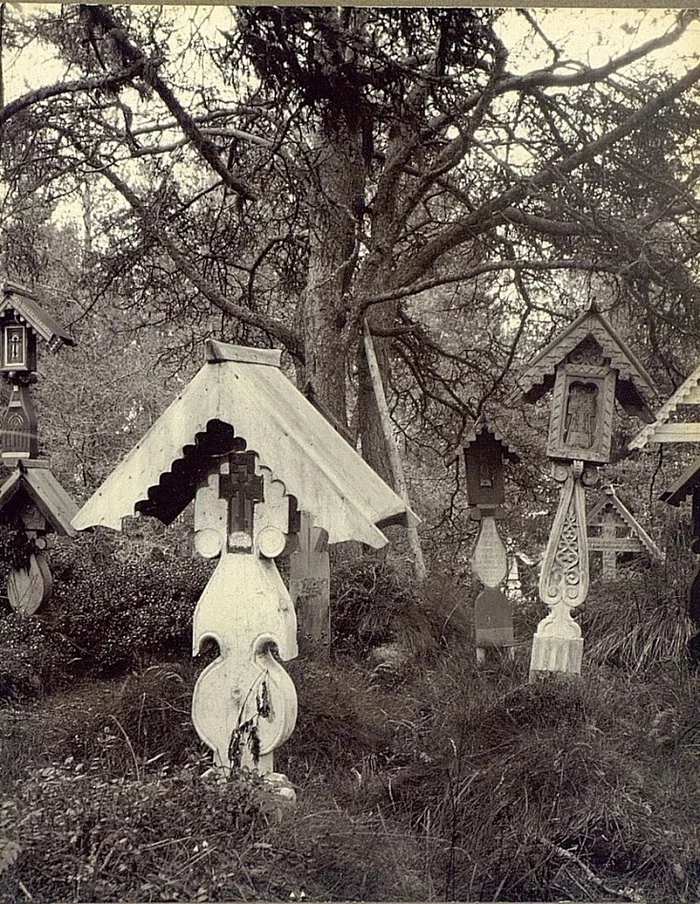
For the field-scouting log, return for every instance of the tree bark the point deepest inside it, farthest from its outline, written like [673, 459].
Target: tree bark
[335, 202]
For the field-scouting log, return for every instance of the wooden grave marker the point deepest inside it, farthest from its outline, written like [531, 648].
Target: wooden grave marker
[485, 451]
[31, 499]
[678, 421]
[613, 531]
[588, 368]
[251, 451]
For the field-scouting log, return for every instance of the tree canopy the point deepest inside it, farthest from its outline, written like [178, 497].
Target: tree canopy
[285, 177]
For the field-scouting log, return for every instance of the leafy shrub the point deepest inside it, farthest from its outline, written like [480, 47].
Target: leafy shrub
[115, 603]
[86, 836]
[120, 609]
[32, 658]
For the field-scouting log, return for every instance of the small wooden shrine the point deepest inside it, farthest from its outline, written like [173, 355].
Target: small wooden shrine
[588, 368]
[252, 452]
[613, 531]
[485, 452]
[32, 502]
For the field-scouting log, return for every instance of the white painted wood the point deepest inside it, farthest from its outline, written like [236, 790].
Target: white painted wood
[28, 588]
[247, 610]
[556, 653]
[676, 433]
[291, 438]
[210, 518]
[620, 544]
[271, 517]
[490, 559]
[557, 645]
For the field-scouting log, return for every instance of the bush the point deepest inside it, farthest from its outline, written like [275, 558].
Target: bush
[85, 836]
[119, 609]
[373, 604]
[639, 621]
[33, 658]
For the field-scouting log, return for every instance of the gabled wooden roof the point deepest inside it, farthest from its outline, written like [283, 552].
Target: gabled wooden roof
[41, 487]
[684, 486]
[612, 501]
[662, 430]
[246, 389]
[21, 300]
[482, 428]
[635, 387]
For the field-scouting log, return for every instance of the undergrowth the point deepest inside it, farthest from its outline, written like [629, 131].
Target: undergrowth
[419, 775]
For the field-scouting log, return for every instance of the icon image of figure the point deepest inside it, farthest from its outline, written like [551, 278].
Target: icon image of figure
[581, 411]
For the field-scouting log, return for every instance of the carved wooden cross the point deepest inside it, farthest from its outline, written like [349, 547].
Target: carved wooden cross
[241, 488]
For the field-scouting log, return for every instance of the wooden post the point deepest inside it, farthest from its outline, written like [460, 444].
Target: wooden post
[310, 588]
[484, 454]
[557, 645]
[397, 474]
[609, 533]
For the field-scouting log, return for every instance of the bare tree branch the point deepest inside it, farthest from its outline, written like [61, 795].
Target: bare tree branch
[494, 211]
[107, 82]
[277, 330]
[132, 54]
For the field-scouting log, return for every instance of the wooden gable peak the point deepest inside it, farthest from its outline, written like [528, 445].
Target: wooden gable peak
[24, 304]
[612, 502]
[34, 482]
[635, 386]
[662, 430]
[483, 429]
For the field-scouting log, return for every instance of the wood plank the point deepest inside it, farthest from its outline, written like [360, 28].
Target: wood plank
[310, 588]
[617, 544]
[676, 433]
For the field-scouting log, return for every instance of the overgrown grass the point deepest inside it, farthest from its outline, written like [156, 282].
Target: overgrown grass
[419, 776]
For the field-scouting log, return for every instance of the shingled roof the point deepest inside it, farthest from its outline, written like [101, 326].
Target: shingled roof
[662, 430]
[21, 300]
[246, 389]
[683, 486]
[37, 484]
[482, 428]
[635, 388]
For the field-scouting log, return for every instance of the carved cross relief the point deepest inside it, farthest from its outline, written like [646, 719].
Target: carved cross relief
[244, 703]
[241, 488]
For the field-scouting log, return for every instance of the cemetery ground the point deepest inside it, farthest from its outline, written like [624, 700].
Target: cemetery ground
[419, 776]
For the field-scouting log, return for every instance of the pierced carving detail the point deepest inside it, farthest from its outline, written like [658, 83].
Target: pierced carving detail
[587, 352]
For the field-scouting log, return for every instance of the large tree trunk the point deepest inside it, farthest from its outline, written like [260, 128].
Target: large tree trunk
[335, 200]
